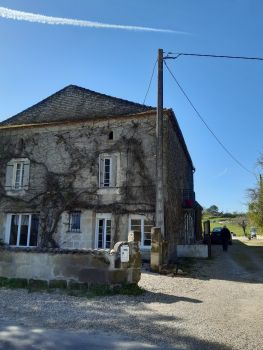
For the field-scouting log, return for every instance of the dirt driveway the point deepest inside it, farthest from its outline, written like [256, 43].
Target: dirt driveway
[220, 306]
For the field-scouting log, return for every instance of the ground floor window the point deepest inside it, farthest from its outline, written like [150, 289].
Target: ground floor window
[103, 231]
[143, 225]
[74, 221]
[23, 230]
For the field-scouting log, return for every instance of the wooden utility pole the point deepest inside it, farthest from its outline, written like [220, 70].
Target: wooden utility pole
[159, 209]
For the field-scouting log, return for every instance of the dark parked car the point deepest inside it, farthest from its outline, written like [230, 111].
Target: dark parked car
[216, 236]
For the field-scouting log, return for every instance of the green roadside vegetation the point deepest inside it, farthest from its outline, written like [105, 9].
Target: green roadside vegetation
[233, 223]
[78, 290]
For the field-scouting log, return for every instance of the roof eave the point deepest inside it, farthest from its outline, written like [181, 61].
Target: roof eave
[76, 121]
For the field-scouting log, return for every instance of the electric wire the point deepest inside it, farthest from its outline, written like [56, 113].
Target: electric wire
[205, 123]
[178, 54]
[150, 82]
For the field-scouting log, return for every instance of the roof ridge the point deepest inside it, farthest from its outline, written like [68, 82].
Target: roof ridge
[75, 88]
[109, 96]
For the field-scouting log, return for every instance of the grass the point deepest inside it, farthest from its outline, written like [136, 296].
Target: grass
[130, 290]
[87, 292]
[231, 223]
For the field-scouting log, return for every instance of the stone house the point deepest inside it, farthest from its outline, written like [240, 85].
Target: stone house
[77, 171]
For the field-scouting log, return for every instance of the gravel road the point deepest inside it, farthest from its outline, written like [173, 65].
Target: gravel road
[218, 306]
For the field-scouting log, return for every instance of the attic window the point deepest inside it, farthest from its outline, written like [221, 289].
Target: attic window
[111, 135]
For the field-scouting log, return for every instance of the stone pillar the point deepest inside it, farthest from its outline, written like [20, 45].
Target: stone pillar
[132, 268]
[156, 249]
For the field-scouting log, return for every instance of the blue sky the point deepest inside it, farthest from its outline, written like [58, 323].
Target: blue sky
[38, 59]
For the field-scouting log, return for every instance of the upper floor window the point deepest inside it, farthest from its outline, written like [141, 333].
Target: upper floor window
[74, 221]
[17, 174]
[108, 171]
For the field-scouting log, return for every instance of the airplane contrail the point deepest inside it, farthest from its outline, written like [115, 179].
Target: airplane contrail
[37, 18]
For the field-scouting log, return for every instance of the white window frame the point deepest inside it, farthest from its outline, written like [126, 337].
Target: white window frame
[20, 182]
[102, 181]
[8, 229]
[105, 217]
[142, 218]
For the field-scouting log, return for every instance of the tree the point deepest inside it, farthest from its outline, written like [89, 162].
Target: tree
[255, 205]
[243, 224]
[213, 209]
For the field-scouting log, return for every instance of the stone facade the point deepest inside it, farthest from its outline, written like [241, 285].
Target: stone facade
[179, 188]
[84, 183]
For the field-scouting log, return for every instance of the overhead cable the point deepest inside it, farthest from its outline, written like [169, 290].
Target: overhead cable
[205, 123]
[150, 82]
[178, 54]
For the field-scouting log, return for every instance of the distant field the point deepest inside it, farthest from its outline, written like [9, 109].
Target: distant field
[231, 223]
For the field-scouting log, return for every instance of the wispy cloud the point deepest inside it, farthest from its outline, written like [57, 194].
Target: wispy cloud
[222, 173]
[37, 18]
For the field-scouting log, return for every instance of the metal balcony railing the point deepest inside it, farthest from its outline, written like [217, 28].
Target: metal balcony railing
[188, 198]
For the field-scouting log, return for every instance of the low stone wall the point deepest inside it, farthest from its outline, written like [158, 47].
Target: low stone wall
[192, 251]
[73, 267]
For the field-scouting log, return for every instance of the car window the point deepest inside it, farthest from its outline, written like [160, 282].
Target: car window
[217, 229]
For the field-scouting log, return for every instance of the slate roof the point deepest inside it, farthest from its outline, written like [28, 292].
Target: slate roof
[75, 103]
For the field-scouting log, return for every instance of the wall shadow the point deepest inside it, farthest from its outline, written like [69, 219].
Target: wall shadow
[241, 263]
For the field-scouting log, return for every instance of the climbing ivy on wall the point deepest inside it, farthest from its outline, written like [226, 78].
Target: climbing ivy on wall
[77, 152]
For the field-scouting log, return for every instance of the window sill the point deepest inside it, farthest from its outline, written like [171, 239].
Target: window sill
[20, 246]
[108, 190]
[73, 232]
[145, 247]
[16, 192]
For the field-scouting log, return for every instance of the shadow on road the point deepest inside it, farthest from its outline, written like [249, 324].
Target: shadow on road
[21, 338]
[102, 323]
[243, 262]
[162, 298]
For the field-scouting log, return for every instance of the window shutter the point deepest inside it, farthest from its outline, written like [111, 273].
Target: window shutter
[101, 167]
[113, 171]
[25, 182]
[9, 177]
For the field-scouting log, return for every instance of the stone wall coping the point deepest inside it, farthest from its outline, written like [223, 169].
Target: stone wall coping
[57, 250]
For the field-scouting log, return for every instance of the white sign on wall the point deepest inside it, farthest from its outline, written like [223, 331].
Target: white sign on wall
[125, 253]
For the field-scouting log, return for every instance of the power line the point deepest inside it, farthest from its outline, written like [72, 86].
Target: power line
[205, 123]
[178, 54]
[150, 82]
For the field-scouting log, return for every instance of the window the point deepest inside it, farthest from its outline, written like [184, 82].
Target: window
[143, 225]
[103, 231]
[74, 221]
[17, 174]
[111, 135]
[108, 171]
[23, 230]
